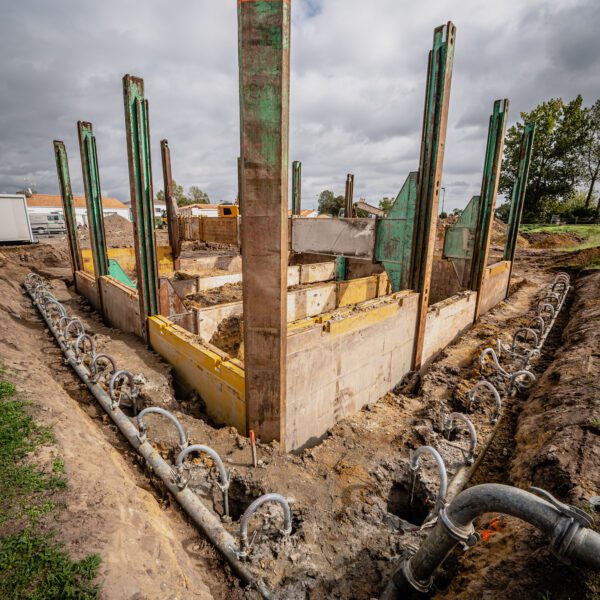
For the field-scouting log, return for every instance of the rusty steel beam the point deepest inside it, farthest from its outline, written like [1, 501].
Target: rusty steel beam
[349, 197]
[137, 130]
[93, 197]
[264, 64]
[172, 218]
[64, 181]
[297, 188]
[518, 196]
[489, 190]
[433, 141]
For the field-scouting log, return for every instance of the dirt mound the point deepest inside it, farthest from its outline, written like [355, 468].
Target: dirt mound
[580, 258]
[548, 239]
[230, 292]
[228, 337]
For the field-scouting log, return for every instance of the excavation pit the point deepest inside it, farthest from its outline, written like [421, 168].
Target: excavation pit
[399, 504]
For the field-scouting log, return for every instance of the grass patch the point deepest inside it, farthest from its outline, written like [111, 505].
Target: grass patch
[33, 565]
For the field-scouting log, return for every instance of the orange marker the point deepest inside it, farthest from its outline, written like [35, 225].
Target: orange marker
[253, 444]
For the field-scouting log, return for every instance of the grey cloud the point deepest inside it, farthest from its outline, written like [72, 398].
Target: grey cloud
[358, 79]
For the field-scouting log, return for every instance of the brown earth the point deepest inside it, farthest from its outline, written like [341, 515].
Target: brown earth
[348, 494]
[547, 239]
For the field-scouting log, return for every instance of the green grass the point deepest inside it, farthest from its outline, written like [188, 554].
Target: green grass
[33, 565]
[589, 233]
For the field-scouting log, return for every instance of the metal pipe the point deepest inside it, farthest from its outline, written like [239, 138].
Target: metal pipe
[566, 527]
[225, 480]
[441, 467]
[208, 523]
[483, 384]
[470, 455]
[245, 520]
[183, 439]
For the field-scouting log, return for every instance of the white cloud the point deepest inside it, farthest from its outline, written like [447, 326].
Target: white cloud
[358, 79]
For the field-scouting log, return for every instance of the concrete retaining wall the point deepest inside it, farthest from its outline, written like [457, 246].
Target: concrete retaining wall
[121, 306]
[493, 289]
[447, 320]
[86, 286]
[336, 368]
[302, 303]
[218, 381]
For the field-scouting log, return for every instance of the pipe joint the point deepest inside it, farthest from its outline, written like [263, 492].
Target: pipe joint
[422, 586]
[466, 535]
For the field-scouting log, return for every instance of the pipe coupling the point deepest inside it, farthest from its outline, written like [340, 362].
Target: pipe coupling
[467, 536]
[421, 586]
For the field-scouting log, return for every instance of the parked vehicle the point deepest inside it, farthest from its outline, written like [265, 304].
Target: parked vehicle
[46, 223]
[14, 220]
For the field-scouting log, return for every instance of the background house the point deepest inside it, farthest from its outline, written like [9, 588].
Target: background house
[48, 204]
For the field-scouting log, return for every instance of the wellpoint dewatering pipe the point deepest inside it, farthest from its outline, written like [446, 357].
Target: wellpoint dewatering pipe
[208, 523]
[566, 527]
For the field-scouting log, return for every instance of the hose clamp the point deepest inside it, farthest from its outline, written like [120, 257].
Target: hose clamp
[421, 586]
[467, 536]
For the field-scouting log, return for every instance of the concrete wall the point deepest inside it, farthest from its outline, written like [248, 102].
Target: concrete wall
[494, 286]
[86, 286]
[231, 263]
[446, 321]
[303, 303]
[204, 369]
[121, 306]
[335, 368]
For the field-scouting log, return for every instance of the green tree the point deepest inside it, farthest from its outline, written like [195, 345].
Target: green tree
[386, 204]
[555, 169]
[198, 196]
[591, 153]
[180, 198]
[330, 204]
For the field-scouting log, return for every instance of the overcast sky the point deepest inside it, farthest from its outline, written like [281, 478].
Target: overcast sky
[357, 85]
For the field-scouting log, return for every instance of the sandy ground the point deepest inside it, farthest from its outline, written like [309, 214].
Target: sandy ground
[148, 550]
[349, 494]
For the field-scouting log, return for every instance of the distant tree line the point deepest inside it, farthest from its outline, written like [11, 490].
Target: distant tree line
[194, 196]
[565, 165]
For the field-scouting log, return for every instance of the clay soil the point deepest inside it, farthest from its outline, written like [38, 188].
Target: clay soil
[349, 492]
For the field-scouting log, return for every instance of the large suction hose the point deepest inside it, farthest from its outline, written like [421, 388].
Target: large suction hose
[566, 527]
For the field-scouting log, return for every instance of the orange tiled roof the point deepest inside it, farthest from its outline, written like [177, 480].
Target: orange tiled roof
[49, 201]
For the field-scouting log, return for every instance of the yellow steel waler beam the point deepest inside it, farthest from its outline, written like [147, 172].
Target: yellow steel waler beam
[219, 382]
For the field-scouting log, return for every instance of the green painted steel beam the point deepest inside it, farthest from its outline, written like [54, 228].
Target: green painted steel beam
[264, 29]
[439, 77]
[297, 188]
[93, 197]
[433, 142]
[64, 182]
[394, 240]
[142, 197]
[518, 192]
[489, 189]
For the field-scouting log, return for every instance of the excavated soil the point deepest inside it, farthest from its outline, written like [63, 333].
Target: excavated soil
[548, 239]
[349, 495]
[230, 292]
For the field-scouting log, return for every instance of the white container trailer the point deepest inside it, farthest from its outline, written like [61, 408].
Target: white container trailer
[14, 220]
